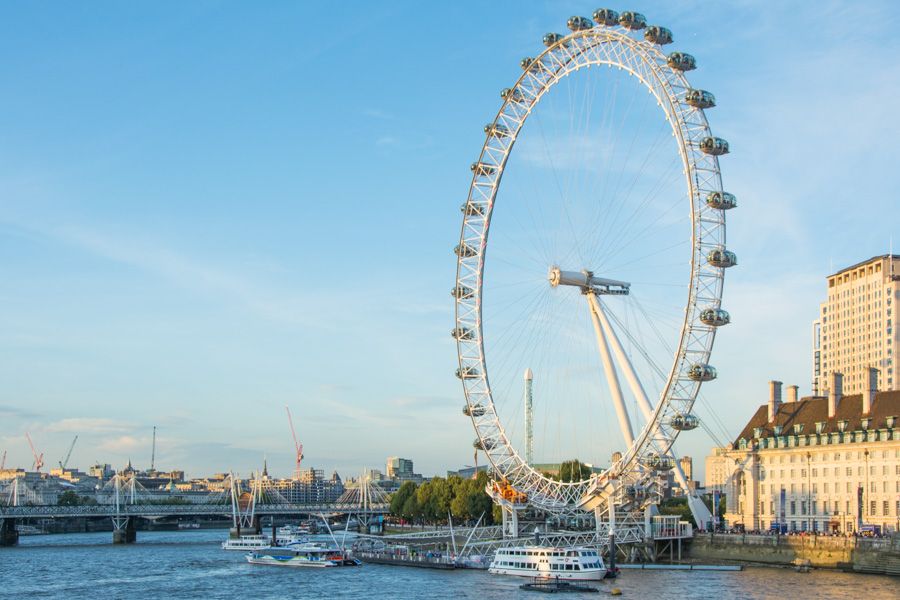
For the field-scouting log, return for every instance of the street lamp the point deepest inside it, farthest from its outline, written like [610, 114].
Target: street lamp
[866, 491]
[809, 510]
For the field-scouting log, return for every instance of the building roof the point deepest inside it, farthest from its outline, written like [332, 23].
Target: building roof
[865, 262]
[814, 409]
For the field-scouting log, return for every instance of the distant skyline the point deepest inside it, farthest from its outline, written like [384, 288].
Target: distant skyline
[211, 210]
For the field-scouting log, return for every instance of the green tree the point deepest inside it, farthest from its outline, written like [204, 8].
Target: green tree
[677, 506]
[69, 498]
[399, 498]
[574, 470]
[411, 509]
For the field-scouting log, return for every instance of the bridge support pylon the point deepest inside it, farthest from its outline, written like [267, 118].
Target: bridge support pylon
[124, 531]
[9, 536]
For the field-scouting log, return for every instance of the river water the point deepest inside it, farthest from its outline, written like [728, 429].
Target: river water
[190, 564]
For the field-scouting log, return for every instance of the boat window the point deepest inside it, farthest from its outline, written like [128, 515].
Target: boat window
[577, 567]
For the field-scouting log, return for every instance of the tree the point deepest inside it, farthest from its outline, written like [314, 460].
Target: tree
[68, 498]
[398, 500]
[411, 509]
[677, 506]
[573, 470]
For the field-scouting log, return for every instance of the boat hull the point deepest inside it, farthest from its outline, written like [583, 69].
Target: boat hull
[593, 575]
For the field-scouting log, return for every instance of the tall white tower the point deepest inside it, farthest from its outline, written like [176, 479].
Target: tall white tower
[529, 421]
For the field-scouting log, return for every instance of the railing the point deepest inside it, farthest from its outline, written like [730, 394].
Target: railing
[156, 510]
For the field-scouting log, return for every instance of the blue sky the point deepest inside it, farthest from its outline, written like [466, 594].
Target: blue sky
[209, 210]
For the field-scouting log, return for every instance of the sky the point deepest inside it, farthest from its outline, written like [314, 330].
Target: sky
[211, 210]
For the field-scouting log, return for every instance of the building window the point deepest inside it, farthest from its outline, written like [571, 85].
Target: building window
[793, 507]
[872, 507]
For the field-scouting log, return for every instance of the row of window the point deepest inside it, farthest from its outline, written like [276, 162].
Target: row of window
[835, 506]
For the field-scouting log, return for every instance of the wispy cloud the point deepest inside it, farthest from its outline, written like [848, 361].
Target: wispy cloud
[82, 425]
[179, 269]
[15, 412]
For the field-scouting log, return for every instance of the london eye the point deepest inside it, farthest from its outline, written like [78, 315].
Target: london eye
[598, 186]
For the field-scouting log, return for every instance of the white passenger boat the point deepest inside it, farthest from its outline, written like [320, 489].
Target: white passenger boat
[549, 562]
[302, 555]
[246, 542]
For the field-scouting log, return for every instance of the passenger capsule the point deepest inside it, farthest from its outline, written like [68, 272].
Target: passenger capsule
[472, 209]
[579, 23]
[605, 16]
[720, 257]
[552, 38]
[482, 169]
[465, 251]
[715, 317]
[681, 61]
[721, 200]
[684, 422]
[526, 63]
[659, 463]
[699, 98]
[702, 372]
[468, 373]
[512, 94]
[473, 410]
[497, 130]
[484, 445]
[462, 333]
[658, 35]
[713, 146]
[632, 20]
[462, 292]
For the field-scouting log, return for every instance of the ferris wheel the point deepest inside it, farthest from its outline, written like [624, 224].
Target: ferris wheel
[606, 260]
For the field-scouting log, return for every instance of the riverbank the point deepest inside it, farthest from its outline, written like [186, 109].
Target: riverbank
[860, 555]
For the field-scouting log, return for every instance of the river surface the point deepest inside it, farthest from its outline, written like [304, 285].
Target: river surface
[190, 564]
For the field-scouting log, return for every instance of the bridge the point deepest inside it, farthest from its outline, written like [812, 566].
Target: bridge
[122, 499]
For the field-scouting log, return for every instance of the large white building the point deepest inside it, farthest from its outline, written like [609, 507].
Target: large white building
[815, 464]
[855, 329]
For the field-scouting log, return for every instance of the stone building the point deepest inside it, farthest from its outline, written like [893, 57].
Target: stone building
[820, 463]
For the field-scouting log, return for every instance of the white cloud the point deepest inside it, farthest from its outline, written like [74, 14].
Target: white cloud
[83, 425]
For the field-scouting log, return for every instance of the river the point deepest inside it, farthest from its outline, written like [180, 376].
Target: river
[190, 564]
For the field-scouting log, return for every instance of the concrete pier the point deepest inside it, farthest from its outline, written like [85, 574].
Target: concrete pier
[125, 535]
[8, 534]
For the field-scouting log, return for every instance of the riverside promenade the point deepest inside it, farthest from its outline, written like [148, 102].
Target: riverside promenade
[862, 555]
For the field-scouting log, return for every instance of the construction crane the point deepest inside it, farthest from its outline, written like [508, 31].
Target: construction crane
[3, 461]
[38, 458]
[64, 462]
[298, 447]
[153, 453]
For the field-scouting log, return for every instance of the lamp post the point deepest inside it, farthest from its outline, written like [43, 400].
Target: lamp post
[866, 491]
[808, 493]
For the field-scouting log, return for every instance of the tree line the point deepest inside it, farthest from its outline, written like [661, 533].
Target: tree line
[433, 500]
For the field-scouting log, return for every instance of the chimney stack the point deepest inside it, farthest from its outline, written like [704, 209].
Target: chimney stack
[869, 392]
[793, 393]
[835, 393]
[774, 399]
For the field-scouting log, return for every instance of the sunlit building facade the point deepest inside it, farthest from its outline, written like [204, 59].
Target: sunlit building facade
[855, 329]
[821, 463]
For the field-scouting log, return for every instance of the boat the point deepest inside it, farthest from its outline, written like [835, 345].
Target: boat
[546, 562]
[29, 530]
[188, 525]
[289, 534]
[307, 554]
[246, 542]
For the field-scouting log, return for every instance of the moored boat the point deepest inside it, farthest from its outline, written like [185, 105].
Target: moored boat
[302, 555]
[549, 562]
[246, 542]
